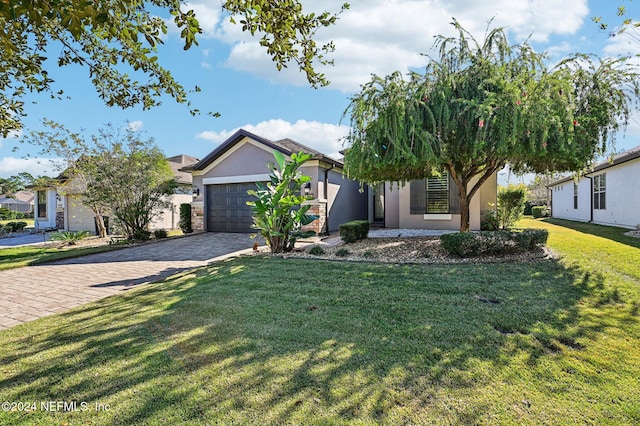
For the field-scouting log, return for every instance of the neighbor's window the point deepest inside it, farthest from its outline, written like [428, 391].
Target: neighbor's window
[42, 204]
[599, 192]
[438, 194]
[575, 196]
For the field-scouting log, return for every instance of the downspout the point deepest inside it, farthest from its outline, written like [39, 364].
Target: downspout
[590, 198]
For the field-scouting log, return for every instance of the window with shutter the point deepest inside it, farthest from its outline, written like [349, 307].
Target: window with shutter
[437, 194]
[433, 196]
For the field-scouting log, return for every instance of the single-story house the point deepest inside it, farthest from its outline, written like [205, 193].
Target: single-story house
[222, 178]
[14, 204]
[61, 207]
[609, 194]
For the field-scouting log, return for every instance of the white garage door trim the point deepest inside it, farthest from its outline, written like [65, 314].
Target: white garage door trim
[235, 179]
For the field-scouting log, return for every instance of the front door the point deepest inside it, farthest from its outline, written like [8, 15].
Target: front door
[378, 203]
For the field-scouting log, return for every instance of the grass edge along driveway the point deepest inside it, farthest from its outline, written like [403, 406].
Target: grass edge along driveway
[258, 340]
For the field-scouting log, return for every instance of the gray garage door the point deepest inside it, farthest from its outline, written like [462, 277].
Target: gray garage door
[227, 209]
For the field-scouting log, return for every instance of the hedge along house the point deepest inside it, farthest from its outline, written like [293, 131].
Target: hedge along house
[221, 181]
[432, 203]
[609, 194]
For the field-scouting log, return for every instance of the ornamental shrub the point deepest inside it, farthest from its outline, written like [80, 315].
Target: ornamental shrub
[278, 211]
[141, 235]
[342, 252]
[540, 211]
[464, 244]
[538, 237]
[69, 237]
[160, 233]
[461, 244]
[15, 226]
[354, 230]
[185, 218]
[510, 205]
[316, 250]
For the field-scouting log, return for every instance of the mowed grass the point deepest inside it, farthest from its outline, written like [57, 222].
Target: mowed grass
[282, 341]
[17, 257]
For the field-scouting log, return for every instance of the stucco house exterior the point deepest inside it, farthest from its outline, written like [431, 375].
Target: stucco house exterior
[221, 181]
[222, 178]
[609, 194]
[61, 207]
[431, 203]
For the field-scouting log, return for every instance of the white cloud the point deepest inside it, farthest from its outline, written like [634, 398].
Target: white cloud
[135, 125]
[11, 166]
[380, 36]
[323, 137]
[626, 43]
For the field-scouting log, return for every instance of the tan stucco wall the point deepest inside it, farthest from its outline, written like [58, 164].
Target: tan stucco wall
[392, 205]
[169, 217]
[398, 208]
[79, 217]
[489, 194]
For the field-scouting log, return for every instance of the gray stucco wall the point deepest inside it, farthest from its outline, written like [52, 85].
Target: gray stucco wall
[346, 202]
[247, 160]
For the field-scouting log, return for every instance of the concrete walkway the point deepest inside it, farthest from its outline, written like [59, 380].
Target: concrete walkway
[36, 291]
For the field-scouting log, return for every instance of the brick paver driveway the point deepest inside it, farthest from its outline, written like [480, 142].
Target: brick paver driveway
[35, 291]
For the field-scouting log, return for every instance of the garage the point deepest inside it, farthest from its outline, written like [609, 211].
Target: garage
[227, 209]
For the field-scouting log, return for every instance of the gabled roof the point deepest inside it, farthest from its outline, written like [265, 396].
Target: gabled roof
[617, 159]
[285, 146]
[10, 200]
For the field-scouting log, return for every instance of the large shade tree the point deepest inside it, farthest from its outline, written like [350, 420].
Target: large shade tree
[116, 40]
[479, 106]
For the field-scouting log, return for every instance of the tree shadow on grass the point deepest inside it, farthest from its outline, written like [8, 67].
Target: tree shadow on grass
[277, 341]
[612, 233]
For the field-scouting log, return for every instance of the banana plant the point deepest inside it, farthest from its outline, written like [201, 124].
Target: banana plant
[278, 213]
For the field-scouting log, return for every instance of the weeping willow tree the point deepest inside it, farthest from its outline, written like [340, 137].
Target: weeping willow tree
[479, 106]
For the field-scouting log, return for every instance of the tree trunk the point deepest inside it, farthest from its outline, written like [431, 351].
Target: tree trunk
[102, 230]
[464, 212]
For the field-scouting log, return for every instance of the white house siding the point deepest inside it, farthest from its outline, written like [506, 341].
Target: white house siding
[622, 196]
[562, 200]
[50, 220]
[79, 217]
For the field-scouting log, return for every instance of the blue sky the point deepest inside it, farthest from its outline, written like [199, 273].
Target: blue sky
[239, 81]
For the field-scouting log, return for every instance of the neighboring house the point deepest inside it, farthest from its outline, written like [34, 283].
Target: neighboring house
[432, 203]
[14, 204]
[609, 194]
[221, 181]
[61, 207]
[169, 217]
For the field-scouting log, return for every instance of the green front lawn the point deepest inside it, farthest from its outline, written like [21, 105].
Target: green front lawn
[259, 341]
[17, 257]
[28, 221]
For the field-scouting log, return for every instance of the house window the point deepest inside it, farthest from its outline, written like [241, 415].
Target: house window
[434, 196]
[599, 192]
[575, 196]
[42, 204]
[438, 194]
